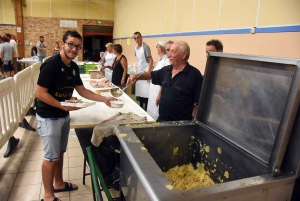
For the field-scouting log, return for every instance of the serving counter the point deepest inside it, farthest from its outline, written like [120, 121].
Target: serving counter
[92, 115]
[28, 60]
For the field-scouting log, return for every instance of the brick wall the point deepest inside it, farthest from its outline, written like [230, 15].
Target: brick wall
[11, 29]
[50, 29]
[34, 27]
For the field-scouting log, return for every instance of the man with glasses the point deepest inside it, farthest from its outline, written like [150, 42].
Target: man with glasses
[59, 76]
[145, 64]
[41, 49]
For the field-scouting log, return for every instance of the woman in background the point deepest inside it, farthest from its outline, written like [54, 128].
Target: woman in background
[119, 76]
[108, 60]
[56, 48]
[101, 56]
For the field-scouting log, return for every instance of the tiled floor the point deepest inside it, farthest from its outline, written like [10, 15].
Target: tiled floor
[20, 174]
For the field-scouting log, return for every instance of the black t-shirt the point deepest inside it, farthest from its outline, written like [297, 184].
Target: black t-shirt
[60, 81]
[179, 94]
[35, 49]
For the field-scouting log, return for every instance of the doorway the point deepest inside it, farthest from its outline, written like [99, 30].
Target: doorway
[95, 37]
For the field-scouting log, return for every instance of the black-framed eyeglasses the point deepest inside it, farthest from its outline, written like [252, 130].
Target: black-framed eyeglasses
[71, 46]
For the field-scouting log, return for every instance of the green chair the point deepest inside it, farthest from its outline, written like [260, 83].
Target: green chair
[97, 176]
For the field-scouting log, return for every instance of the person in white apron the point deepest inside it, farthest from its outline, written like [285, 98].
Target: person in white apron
[145, 63]
[109, 58]
[154, 90]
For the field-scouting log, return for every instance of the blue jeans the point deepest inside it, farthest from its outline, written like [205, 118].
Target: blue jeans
[55, 134]
[41, 58]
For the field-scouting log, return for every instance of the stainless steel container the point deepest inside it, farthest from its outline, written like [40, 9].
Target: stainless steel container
[247, 116]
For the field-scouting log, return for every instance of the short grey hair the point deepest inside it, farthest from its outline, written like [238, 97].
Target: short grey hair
[184, 48]
[163, 49]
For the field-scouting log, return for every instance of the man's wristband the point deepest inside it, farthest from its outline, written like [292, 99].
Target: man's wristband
[66, 109]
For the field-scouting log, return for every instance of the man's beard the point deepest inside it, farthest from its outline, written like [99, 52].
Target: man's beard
[67, 55]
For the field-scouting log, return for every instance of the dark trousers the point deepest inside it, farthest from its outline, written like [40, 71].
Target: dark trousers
[143, 103]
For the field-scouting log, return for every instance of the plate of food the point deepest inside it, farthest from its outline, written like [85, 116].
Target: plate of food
[77, 103]
[103, 84]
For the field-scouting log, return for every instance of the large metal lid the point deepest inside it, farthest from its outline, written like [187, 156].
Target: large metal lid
[251, 101]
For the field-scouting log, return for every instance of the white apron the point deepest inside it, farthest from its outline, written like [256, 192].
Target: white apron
[142, 86]
[108, 73]
[109, 60]
[152, 109]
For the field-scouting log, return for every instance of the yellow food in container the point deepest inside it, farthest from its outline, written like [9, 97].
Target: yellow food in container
[186, 177]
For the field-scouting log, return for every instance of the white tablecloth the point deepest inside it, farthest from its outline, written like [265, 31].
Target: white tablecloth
[92, 115]
[28, 60]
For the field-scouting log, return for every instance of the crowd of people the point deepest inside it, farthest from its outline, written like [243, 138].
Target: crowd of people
[180, 83]
[159, 90]
[168, 92]
[8, 55]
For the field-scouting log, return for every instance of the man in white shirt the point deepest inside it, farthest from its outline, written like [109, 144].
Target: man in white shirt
[154, 91]
[167, 48]
[14, 43]
[2, 76]
[145, 64]
[7, 53]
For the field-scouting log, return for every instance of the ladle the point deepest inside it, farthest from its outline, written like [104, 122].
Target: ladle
[117, 92]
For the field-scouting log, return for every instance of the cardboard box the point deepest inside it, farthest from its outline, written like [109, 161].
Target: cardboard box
[96, 74]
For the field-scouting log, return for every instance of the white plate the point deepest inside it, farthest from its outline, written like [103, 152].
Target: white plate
[79, 105]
